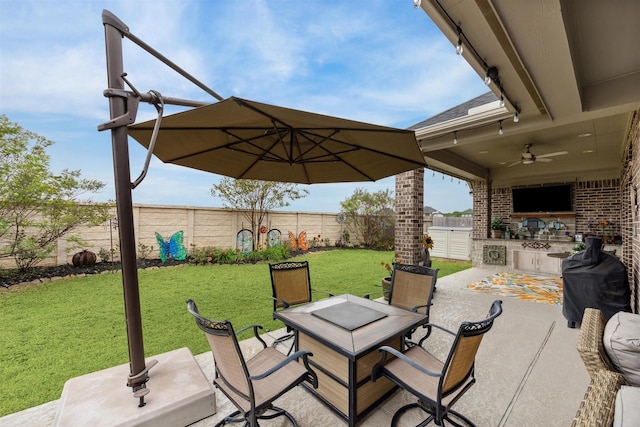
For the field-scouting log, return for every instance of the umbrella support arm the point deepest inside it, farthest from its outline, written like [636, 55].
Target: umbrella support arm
[110, 20]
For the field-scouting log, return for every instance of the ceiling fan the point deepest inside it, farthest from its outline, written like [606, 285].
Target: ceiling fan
[528, 157]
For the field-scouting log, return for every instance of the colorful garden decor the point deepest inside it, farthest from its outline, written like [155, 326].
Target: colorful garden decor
[84, 258]
[300, 242]
[244, 240]
[172, 248]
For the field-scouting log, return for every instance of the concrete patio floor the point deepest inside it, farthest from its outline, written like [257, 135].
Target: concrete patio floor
[528, 371]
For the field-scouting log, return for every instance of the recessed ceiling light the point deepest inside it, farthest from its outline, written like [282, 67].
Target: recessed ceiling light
[584, 135]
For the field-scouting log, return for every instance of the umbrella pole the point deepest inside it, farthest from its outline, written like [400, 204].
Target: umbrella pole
[119, 140]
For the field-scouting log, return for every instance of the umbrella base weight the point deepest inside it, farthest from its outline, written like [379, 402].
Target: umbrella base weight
[180, 394]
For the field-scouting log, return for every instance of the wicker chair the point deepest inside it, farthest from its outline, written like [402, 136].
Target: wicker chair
[412, 289]
[590, 345]
[290, 285]
[437, 385]
[253, 384]
[598, 405]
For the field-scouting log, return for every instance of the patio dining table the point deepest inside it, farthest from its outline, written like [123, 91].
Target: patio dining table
[343, 333]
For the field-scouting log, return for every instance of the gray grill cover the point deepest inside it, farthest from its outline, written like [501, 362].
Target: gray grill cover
[592, 278]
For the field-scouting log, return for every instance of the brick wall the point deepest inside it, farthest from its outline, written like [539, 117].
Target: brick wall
[631, 181]
[597, 201]
[481, 209]
[594, 201]
[409, 215]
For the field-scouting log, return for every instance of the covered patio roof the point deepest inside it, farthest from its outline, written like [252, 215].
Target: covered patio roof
[571, 69]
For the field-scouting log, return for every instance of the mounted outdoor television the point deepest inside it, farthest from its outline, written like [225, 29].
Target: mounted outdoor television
[547, 198]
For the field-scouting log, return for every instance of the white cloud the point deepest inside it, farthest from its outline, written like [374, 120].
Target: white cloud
[374, 61]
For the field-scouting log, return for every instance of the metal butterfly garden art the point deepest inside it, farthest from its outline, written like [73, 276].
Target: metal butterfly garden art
[300, 242]
[172, 248]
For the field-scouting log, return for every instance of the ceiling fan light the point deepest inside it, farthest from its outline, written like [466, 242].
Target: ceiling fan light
[527, 161]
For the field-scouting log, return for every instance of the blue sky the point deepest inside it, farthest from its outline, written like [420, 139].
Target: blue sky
[381, 62]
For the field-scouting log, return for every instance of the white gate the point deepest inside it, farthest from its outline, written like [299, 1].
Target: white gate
[451, 242]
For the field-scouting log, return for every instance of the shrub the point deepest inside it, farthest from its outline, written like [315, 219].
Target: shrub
[201, 256]
[226, 256]
[212, 255]
[144, 251]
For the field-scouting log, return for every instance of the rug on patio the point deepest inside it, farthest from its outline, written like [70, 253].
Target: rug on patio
[523, 286]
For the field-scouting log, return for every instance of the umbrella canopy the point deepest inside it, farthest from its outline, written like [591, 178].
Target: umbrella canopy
[247, 139]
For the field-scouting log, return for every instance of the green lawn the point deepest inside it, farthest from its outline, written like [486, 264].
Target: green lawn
[60, 330]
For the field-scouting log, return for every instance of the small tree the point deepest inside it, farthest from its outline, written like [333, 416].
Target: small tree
[255, 198]
[370, 217]
[36, 206]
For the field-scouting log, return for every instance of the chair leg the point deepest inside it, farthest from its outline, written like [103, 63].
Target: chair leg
[231, 418]
[278, 412]
[251, 420]
[460, 416]
[405, 408]
[282, 339]
[432, 415]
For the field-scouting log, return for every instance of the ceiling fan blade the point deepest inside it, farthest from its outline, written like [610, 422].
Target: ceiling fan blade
[557, 153]
[538, 159]
[516, 163]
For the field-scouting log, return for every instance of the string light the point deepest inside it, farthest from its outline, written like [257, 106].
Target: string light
[491, 72]
[516, 117]
[455, 137]
[459, 47]
[500, 131]
[417, 3]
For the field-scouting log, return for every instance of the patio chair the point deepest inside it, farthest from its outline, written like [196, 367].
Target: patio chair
[437, 385]
[254, 384]
[412, 289]
[290, 285]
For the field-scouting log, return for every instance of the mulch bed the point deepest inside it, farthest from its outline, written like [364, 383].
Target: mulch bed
[13, 277]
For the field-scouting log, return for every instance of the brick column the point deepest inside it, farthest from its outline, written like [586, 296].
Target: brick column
[409, 208]
[481, 209]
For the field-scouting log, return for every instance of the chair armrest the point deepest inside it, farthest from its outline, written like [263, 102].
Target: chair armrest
[590, 345]
[376, 372]
[324, 292]
[598, 405]
[433, 325]
[418, 307]
[368, 296]
[285, 304]
[255, 333]
[304, 354]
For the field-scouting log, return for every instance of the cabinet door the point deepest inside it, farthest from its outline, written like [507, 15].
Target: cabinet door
[524, 260]
[547, 264]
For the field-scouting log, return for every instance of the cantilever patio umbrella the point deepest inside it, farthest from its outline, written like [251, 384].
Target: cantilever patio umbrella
[247, 139]
[236, 138]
